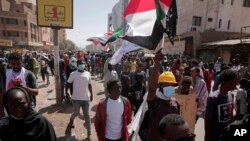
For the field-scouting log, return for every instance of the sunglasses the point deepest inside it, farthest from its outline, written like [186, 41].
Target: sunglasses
[190, 137]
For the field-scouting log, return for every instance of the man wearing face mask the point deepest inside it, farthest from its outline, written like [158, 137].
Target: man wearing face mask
[82, 94]
[160, 101]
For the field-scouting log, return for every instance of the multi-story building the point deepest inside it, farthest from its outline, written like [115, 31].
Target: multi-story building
[110, 26]
[62, 35]
[208, 21]
[18, 23]
[47, 38]
[117, 20]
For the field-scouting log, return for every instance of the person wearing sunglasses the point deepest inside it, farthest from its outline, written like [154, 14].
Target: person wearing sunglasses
[172, 127]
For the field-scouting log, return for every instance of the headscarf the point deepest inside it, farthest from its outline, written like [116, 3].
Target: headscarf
[72, 63]
[32, 127]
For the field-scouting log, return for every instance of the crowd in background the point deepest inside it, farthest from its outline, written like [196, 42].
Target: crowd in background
[219, 89]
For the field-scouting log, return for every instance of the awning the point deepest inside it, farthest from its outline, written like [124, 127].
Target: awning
[227, 42]
[35, 44]
[5, 43]
[47, 43]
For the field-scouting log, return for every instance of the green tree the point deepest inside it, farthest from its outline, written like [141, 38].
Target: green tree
[67, 45]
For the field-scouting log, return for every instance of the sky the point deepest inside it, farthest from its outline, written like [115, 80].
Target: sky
[90, 19]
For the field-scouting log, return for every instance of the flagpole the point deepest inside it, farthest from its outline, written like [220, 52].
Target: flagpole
[163, 40]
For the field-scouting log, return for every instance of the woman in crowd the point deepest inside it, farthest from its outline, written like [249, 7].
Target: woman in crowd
[23, 123]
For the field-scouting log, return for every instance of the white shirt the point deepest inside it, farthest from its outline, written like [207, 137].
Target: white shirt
[115, 109]
[80, 85]
[242, 96]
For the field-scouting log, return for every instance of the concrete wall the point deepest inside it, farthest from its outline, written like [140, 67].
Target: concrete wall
[214, 10]
[236, 13]
[177, 48]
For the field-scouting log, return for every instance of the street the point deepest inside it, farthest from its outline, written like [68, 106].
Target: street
[60, 115]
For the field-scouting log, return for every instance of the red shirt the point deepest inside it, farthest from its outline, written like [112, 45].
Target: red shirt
[208, 77]
[101, 115]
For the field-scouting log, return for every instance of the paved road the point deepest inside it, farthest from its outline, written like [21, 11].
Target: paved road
[60, 115]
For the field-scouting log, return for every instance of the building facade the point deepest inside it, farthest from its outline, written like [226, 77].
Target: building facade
[204, 21]
[18, 24]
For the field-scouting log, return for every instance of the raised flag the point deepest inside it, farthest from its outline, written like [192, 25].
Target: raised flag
[115, 35]
[102, 38]
[148, 20]
[167, 13]
[95, 42]
[125, 48]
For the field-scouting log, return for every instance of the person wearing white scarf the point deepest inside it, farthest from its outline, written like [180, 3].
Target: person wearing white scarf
[16, 76]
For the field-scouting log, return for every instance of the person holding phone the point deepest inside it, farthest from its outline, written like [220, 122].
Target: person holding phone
[18, 76]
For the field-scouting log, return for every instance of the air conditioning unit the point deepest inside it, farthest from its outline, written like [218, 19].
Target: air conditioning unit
[193, 28]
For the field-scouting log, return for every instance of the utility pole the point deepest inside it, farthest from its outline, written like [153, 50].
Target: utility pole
[54, 20]
[56, 65]
[241, 36]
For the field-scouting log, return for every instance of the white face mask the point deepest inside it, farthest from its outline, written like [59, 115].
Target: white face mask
[81, 67]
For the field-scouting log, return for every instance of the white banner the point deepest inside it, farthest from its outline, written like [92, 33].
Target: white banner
[125, 48]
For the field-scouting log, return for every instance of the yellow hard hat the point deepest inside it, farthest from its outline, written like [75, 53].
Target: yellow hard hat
[167, 77]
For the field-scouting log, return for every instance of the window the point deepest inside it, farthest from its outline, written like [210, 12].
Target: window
[196, 21]
[228, 24]
[13, 33]
[2, 20]
[11, 21]
[210, 19]
[222, 1]
[4, 33]
[232, 2]
[26, 34]
[33, 36]
[25, 23]
[220, 21]
[246, 3]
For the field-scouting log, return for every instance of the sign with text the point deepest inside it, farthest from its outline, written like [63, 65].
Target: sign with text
[5, 43]
[55, 13]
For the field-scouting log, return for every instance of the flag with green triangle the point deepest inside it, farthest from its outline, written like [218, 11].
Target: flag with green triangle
[149, 20]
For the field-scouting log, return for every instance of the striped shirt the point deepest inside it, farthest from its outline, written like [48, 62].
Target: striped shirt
[200, 90]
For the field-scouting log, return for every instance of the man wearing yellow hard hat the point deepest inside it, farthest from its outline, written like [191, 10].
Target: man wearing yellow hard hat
[160, 101]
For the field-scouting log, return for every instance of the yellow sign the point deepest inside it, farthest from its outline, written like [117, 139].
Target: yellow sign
[55, 13]
[6, 43]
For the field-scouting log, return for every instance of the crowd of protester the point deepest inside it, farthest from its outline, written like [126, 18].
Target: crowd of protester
[219, 90]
